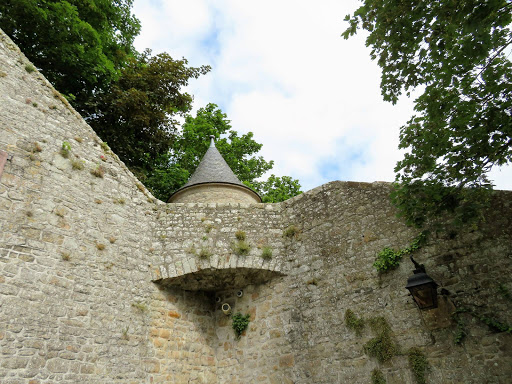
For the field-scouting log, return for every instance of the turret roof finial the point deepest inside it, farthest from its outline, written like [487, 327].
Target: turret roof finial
[212, 142]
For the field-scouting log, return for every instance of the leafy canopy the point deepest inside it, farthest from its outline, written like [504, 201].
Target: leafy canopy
[239, 151]
[457, 52]
[77, 44]
[136, 113]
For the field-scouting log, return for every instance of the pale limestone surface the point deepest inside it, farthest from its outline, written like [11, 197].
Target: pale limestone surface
[214, 193]
[71, 312]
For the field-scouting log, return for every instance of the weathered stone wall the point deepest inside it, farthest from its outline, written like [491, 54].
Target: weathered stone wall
[76, 299]
[99, 283]
[211, 193]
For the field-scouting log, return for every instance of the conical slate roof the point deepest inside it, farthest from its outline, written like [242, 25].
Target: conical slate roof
[213, 169]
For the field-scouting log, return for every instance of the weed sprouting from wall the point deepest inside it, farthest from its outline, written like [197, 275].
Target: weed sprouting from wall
[99, 171]
[240, 323]
[389, 259]
[65, 149]
[378, 377]
[140, 306]
[382, 346]
[241, 248]
[291, 231]
[77, 164]
[266, 252]
[204, 253]
[240, 235]
[30, 68]
[353, 322]
[418, 364]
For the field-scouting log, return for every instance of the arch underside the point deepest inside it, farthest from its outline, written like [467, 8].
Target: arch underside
[213, 279]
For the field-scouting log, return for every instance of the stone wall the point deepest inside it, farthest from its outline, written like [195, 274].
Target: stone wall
[214, 192]
[76, 299]
[101, 283]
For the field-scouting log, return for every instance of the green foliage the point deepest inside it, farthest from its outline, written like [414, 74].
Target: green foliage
[353, 322]
[389, 259]
[29, 68]
[241, 248]
[378, 377]
[78, 45]
[240, 323]
[455, 53]
[240, 235]
[136, 113]
[276, 189]
[382, 346]
[266, 253]
[418, 364]
[172, 169]
[65, 149]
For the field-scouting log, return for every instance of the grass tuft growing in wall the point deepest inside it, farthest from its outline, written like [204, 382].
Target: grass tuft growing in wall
[77, 164]
[204, 253]
[418, 364]
[240, 235]
[353, 322]
[30, 68]
[99, 171]
[382, 346]
[241, 248]
[291, 231]
[378, 377]
[266, 253]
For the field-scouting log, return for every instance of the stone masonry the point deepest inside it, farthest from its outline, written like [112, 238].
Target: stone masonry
[102, 283]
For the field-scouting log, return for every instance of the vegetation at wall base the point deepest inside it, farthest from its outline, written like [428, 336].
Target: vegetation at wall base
[455, 55]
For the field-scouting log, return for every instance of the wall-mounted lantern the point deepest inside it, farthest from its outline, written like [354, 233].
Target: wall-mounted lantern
[423, 289]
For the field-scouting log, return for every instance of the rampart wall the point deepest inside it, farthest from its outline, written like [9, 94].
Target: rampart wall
[101, 283]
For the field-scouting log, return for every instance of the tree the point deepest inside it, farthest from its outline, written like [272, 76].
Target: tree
[85, 49]
[276, 189]
[78, 45]
[456, 52]
[136, 113]
[240, 152]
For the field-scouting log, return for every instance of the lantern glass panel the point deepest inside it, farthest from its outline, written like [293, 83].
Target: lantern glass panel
[425, 295]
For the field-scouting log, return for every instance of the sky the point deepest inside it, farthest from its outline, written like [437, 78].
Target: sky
[281, 70]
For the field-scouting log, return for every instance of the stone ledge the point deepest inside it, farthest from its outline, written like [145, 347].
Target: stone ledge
[213, 279]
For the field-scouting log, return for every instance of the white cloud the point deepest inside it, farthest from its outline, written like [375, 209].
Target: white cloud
[282, 71]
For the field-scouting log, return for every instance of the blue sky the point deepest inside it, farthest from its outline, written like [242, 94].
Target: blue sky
[281, 70]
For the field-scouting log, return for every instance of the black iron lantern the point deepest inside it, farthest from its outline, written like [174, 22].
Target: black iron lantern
[423, 289]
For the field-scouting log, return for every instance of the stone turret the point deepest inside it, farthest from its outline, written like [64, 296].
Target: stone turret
[214, 182]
